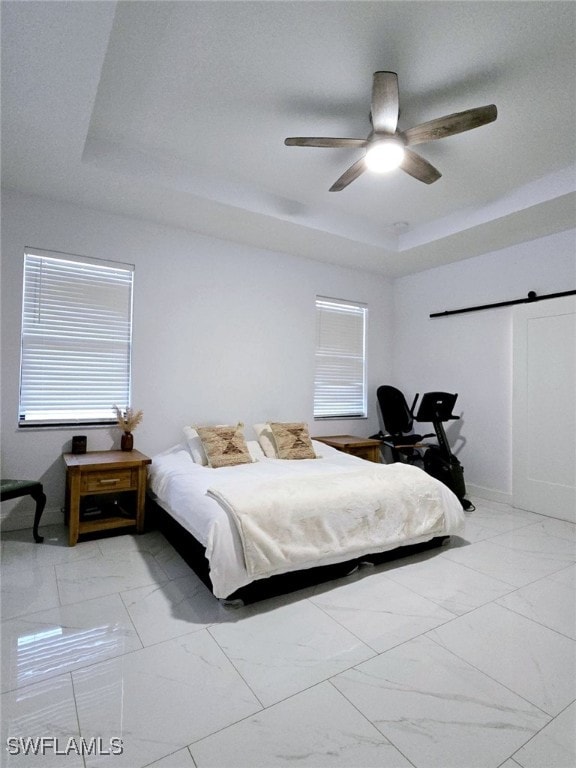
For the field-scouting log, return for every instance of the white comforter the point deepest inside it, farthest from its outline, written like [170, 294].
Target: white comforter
[247, 518]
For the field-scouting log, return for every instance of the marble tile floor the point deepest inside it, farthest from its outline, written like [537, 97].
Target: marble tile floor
[114, 654]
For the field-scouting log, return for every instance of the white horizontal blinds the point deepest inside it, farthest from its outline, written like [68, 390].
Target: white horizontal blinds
[340, 381]
[76, 339]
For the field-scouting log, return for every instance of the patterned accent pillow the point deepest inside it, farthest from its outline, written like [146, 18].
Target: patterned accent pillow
[292, 440]
[224, 446]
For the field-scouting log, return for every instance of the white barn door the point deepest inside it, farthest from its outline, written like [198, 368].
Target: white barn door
[544, 407]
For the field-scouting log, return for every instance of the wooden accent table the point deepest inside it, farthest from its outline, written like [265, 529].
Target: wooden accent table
[364, 448]
[91, 478]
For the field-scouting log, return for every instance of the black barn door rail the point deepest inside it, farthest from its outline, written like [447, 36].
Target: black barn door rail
[532, 296]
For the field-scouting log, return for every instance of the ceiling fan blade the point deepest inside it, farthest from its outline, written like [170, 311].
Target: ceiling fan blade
[450, 124]
[311, 141]
[348, 176]
[385, 102]
[420, 169]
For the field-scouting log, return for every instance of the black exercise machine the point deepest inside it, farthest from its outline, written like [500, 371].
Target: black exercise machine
[404, 444]
[437, 460]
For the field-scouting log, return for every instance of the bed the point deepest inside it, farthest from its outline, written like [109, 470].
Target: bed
[274, 525]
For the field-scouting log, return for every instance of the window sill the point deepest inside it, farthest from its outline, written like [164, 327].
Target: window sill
[70, 427]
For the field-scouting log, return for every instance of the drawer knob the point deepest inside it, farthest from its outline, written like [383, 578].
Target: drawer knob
[110, 481]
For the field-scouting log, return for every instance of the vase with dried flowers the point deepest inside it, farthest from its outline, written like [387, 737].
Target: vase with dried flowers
[127, 420]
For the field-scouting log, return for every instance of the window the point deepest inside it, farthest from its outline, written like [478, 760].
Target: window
[76, 339]
[340, 381]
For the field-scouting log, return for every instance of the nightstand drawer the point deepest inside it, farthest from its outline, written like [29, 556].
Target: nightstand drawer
[107, 480]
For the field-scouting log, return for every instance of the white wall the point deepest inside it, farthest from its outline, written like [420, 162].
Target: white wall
[471, 354]
[222, 333]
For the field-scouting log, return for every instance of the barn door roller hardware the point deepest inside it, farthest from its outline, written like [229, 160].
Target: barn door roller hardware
[532, 296]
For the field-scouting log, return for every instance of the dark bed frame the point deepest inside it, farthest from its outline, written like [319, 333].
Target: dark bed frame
[195, 555]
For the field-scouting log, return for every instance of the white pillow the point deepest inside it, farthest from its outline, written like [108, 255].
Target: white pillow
[255, 450]
[195, 446]
[266, 440]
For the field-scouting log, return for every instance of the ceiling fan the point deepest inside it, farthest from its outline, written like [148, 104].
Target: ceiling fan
[386, 146]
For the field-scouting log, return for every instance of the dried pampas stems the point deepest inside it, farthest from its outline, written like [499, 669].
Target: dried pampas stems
[129, 419]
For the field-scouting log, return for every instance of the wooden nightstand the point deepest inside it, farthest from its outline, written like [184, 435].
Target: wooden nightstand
[92, 478]
[364, 448]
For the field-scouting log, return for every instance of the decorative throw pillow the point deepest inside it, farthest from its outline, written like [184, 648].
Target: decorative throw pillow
[292, 440]
[224, 446]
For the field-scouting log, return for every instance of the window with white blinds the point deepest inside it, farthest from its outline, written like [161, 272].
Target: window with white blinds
[340, 380]
[76, 339]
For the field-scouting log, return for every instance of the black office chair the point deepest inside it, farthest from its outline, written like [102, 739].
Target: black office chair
[398, 419]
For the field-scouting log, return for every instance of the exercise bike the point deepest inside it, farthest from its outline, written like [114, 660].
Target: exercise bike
[437, 460]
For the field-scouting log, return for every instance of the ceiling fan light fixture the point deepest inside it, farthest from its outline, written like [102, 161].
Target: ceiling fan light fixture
[384, 155]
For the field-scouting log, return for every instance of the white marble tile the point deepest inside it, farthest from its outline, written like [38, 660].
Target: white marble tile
[379, 611]
[554, 527]
[163, 611]
[282, 651]
[166, 696]
[180, 759]
[312, 729]
[25, 590]
[20, 550]
[549, 601]
[501, 507]
[530, 659]
[151, 542]
[171, 562]
[45, 644]
[554, 746]
[534, 539]
[491, 518]
[161, 698]
[512, 566]
[500, 517]
[453, 586]
[40, 712]
[472, 532]
[438, 710]
[105, 575]
[567, 577]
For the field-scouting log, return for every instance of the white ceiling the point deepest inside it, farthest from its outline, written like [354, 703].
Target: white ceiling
[177, 112]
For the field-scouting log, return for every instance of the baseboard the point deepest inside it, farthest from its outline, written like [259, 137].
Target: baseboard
[488, 493]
